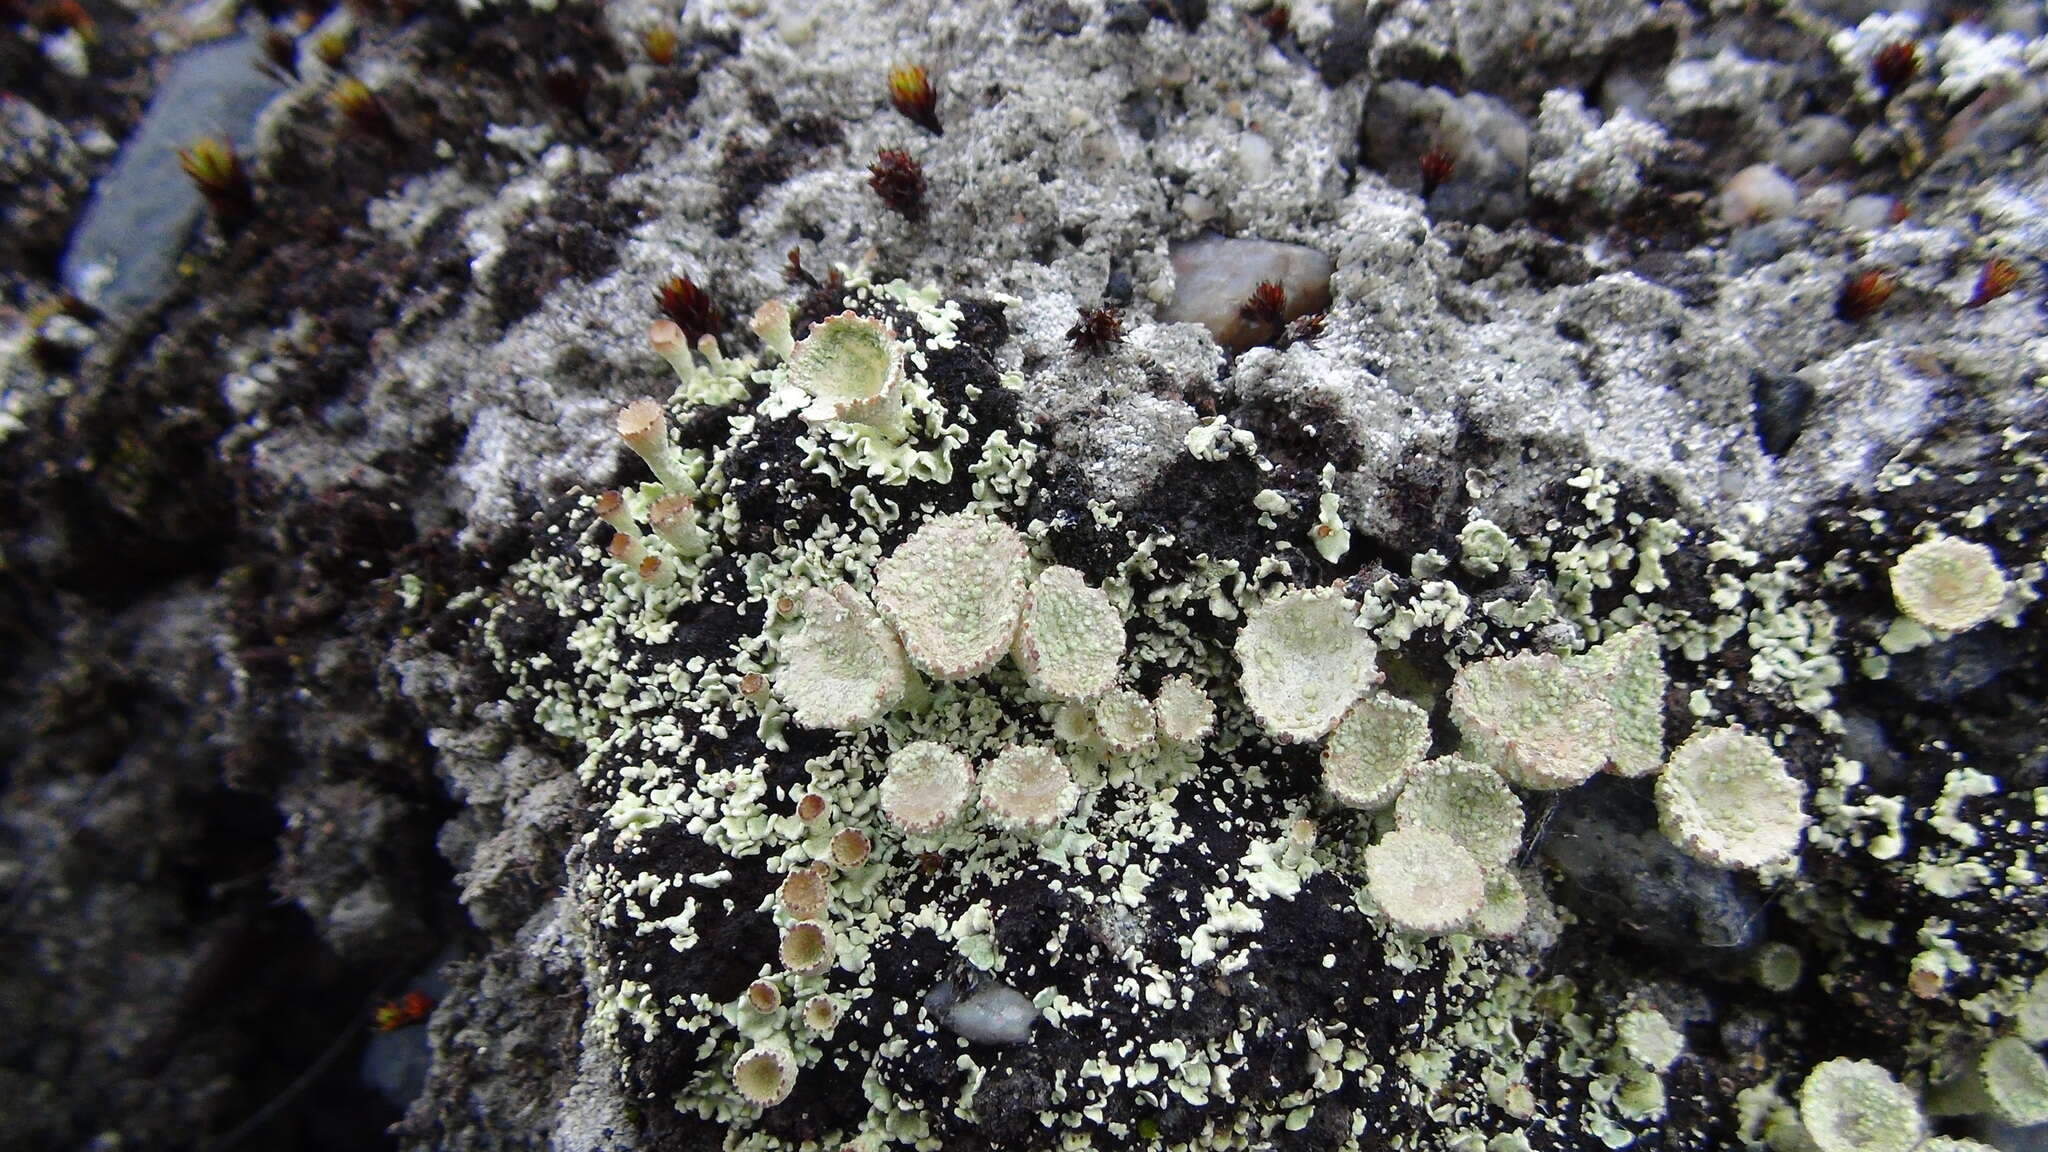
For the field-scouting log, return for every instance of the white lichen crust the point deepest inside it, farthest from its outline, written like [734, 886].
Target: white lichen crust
[1948, 584]
[1424, 881]
[1727, 799]
[924, 786]
[840, 666]
[1468, 802]
[1071, 637]
[1378, 742]
[1856, 1106]
[1027, 788]
[1304, 661]
[954, 592]
[1538, 721]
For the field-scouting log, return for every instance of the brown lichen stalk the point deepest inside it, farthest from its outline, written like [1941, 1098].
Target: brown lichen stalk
[1863, 293]
[1096, 330]
[899, 181]
[910, 91]
[217, 172]
[682, 301]
[1998, 277]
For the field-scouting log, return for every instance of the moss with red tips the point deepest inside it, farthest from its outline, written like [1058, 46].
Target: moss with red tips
[911, 93]
[1863, 293]
[1997, 278]
[217, 172]
[1436, 166]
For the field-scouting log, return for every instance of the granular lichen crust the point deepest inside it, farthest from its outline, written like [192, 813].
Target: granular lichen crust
[1303, 661]
[954, 591]
[1727, 799]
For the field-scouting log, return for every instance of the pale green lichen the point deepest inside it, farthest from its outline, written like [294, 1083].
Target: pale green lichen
[1368, 758]
[1303, 662]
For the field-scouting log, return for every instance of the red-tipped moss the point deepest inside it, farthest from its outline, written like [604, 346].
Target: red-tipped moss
[1266, 305]
[659, 42]
[910, 91]
[1863, 293]
[360, 106]
[1436, 165]
[1998, 277]
[331, 47]
[1895, 65]
[690, 307]
[899, 181]
[1097, 330]
[218, 174]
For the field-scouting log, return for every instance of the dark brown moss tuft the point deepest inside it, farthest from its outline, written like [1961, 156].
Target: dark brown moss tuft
[899, 181]
[1097, 330]
[682, 301]
[1303, 329]
[1895, 65]
[361, 107]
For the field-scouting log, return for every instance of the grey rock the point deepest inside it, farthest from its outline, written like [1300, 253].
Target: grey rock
[1619, 869]
[1955, 667]
[1488, 140]
[1811, 143]
[997, 1014]
[1765, 243]
[1214, 276]
[1867, 213]
[1782, 402]
[1756, 194]
[124, 254]
[1864, 741]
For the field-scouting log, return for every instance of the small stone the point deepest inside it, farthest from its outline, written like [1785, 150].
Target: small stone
[1618, 869]
[1213, 277]
[1756, 194]
[1782, 402]
[1812, 143]
[1487, 140]
[124, 254]
[1867, 213]
[1765, 243]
